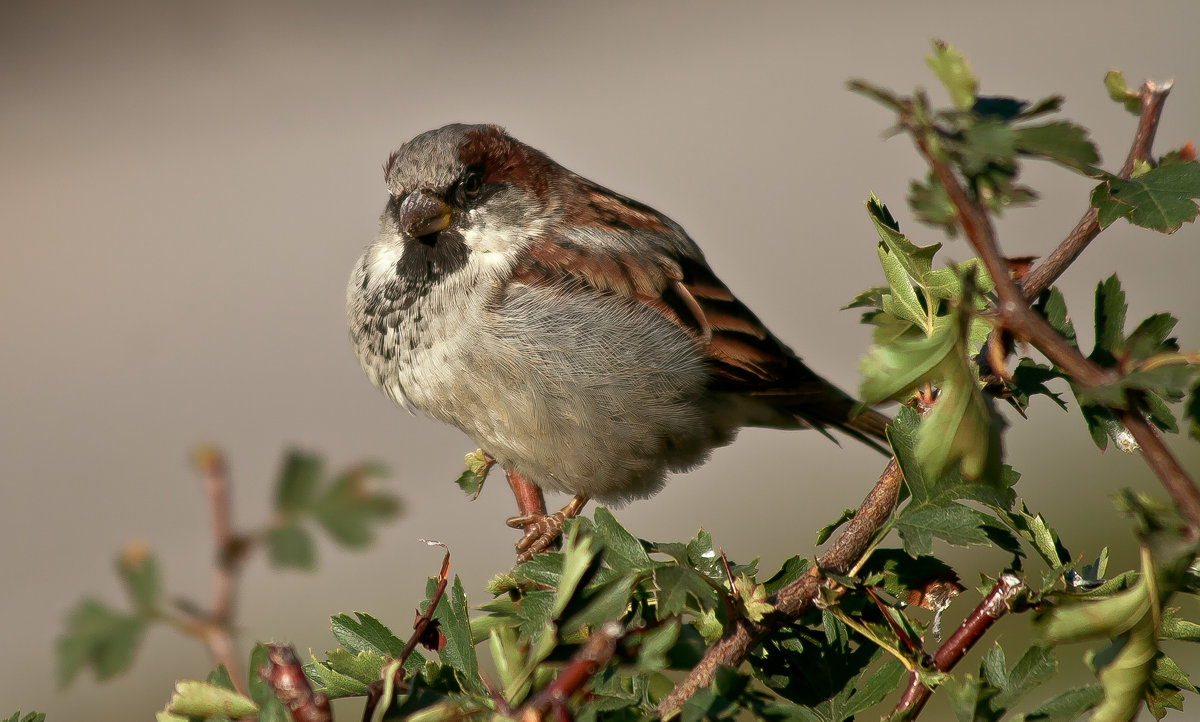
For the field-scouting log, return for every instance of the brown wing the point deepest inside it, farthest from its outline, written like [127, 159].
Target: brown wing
[674, 280]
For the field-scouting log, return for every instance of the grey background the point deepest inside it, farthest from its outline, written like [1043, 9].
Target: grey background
[185, 187]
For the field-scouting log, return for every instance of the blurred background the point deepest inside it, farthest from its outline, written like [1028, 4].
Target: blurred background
[186, 186]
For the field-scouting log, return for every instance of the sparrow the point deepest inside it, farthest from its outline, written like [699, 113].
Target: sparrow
[577, 336]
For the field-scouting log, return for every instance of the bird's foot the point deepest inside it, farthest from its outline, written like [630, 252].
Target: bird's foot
[542, 530]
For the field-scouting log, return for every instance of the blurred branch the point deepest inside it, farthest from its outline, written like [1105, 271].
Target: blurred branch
[794, 599]
[215, 626]
[591, 658]
[284, 674]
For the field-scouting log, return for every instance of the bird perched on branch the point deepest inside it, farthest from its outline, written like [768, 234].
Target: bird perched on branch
[576, 335]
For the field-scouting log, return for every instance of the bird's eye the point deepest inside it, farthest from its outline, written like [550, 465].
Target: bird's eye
[469, 187]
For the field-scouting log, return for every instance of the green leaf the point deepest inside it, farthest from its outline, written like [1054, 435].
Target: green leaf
[827, 531]
[478, 465]
[1068, 706]
[139, 571]
[1119, 91]
[870, 298]
[1034, 667]
[933, 509]
[291, 547]
[579, 551]
[347, 509]
[201, 699]
[988, 143]
[362, 666]
[31, 717]
[453, 621]
[1061, 142]
[622, 550]
[892, 371]
[98, 637]
[298, 480]
[1110, 319]
[365, 634]
[871, 689]
[955, 74]
[1162, 199]
[1172, 627]
[1029, 379]
[677, 589]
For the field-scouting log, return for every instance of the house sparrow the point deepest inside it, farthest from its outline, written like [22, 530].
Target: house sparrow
[576, 335]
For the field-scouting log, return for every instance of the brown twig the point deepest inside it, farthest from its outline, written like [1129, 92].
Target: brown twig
[1153, 97]
[216, 627]
[420, 628]
[794, 599]
[1015, 315]
[996, 604]
[591, 657]
[285, 676]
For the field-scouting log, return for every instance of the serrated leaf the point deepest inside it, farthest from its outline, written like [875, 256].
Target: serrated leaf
[1120, 91]
[1068, 706]
[826, 531]
[298, 480]
[98, 637]
[870, 298]
[334, 684]
[1061, 142]
[363, 666]
[622, 550]
[30, 717]
[139, 571]
[452, 617]
[985, 144]
[365, 633]
[290, 546]
[1036, 666]
[478, 465]
[873, 688]
[578, 553]
[933, 509]
[1110, 318]
[201, 699]
[955, 74]
[677, 589]
[1162, 199]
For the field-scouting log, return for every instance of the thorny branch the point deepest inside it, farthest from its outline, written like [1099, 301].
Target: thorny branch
[591, 658]
[996, 604]
[421, 628]
[1153, 97]
[1015, 315]
[794, 599]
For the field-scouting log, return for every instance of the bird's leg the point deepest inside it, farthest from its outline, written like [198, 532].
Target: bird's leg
[541, 529]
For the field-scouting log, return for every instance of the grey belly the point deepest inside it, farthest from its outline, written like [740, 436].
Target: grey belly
[575, 400]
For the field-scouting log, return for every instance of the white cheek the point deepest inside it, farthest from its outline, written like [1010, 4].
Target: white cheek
[383, 259]
[484, 234]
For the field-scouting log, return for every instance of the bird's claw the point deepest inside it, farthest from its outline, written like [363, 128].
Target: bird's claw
[541, 530]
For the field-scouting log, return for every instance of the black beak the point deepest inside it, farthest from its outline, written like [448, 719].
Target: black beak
[422, 214]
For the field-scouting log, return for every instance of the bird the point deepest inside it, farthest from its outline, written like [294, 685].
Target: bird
[579, 337]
